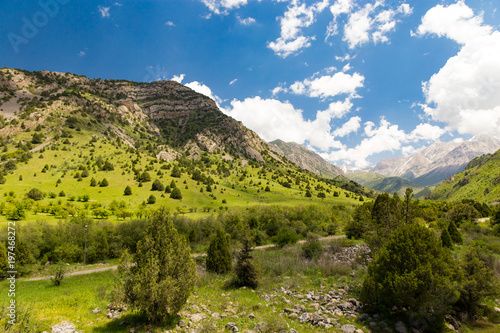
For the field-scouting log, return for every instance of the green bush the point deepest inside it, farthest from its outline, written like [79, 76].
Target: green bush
[246, 273]
[176, 194]
[35, 194]
[312, 249]
[219, 258]
[151, 199]
[455, 235]
[157, 186]
[164, 273]
[127, 191]
[286, 237]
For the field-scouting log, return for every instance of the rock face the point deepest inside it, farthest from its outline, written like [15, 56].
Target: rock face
[438, 161]
[181, 117]
[305, 158]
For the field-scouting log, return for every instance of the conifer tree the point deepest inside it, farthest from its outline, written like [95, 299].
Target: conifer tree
[218, 255]
[128, 191]
[246, 273]
[176, 194]
[157, 186]
[446, 239]
[164, 273]
[455, 235]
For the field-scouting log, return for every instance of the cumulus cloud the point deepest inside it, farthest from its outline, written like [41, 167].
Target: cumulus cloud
[371, 22]
[199, 88]
[329, 85]
[170, 24]
[352, 125]
[222, 6]
[104, 11]
[294, 20]
[178, 78]
[465, 93]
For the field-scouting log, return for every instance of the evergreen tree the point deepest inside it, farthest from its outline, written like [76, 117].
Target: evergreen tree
[151, 199]
[246, 273]
[168, 189]
[101, 245]
[172, 184]
[455, 235]
[85, 173]
[144, 177]
[308, 194]
[35, 194]
[93, 182]
[127, 191]
[176, 172]
[104, 183]
[446, 239]
[164, 273]
[157, 186]
[176, 194]
[218, 255]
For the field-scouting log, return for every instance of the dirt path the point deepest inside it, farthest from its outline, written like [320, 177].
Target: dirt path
[194, 255]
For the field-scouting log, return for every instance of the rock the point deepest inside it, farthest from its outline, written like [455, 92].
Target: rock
[293, 315]
[293, 331]
[305, 317]
[232, 327]
[113, 314]
[197, 317]
[348, 328]
[181, 323]
[216, 315]
[496, 309]
[251, 316]
[359, 330]
[96, 310]
[64, 327]
[364, 317]
[456, 325]
[117, 307]
[400, 327]
[345, 306]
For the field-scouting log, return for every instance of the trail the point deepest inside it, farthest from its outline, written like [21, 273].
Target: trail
[194, 255]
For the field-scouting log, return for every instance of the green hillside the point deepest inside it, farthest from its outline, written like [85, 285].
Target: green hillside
[479, 181]
[82, 142]
[382, 183]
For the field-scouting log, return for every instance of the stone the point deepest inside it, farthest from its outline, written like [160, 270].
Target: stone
[348, 329]
[232, 327]
[496, 309]
[359, 330]
[364, 317]
[197, 317]
[65, 327]
[456, 325]
[305, 317]
[216, 315]
[293, 331]
[293, 315]
[181, 323]
[400, 327]
[251, 316]
[96, 310]
[113, 314]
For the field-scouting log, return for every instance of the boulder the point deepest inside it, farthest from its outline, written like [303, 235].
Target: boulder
[348, 329]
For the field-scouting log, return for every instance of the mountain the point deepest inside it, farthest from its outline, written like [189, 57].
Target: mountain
[479, 181]
[305, 158]
[74, 144]
[438, 161]
[382, 183]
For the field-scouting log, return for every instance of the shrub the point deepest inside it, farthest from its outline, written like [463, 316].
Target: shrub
[144, 177]
[312, 249]
[151, 199]
[246, 273]
[157, 186]
[455, 235]
[176, 172]
[35, 194]
[446, 239]
[218, 256]
[164, 273]
[127, 191]
[104, 183]
[176, 194]
[413, 275]
[58, 271]
[286, 237]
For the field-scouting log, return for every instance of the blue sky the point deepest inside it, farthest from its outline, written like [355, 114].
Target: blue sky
[356, 81]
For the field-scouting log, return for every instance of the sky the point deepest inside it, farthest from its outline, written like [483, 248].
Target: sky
[356, 81]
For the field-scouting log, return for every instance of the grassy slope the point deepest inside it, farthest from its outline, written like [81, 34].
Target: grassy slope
[381, 183]
[479, 181]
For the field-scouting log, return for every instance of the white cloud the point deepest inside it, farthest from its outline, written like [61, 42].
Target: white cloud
[204, 90]
[352, 125]
[294, 20]
[233, 82]
[170, 24]
[246, 21]
[178, 78]
[81, 54]
[465, 93]
[104, 11]
[426, 132]
[222, 6]
[329, 85]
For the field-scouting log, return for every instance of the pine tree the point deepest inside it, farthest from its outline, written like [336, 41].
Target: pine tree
[151, 199]
[455, 235]
[104, 183]
[218, 256]
[176, 172]
[93, 182]
[176, 194]
[246, 273]
[446, 239]
[157, 186]
[128, 191]
[164, 273]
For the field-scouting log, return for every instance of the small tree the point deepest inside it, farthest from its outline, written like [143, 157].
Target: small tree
[128, 191]
[151, 199]
[157, 186]
[446, 239]
[218, 255]
[104, 183]
[144, 177]
[176, 172]
[246, 273]
[58, 271]
[164, 273]
[312, 249]
[455, 235]
[35, 194]
[93, 182]
[176, 194]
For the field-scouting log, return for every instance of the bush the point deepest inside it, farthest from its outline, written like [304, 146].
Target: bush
[144, 177]
[104, 183]
[127, 191]
[455, 235]
[312, 249]
[58, 271]
[246, 273]
[286, 237]
[157, 186]
[412, 275]
[151, 199]
[176, 194]
[218, 256]
[446, 239]
[35, 194]
[164, 273]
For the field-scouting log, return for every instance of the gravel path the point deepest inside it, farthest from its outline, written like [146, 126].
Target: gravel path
[102, 269]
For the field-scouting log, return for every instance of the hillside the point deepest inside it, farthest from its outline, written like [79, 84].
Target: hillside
[381, 183]
[82, 141]
[479, 181]
[438, 161]
[305, 158]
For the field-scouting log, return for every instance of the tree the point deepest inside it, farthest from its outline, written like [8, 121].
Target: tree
[246, 273]
[85, 173]
[144, 177]
[308, 194]
[35, 194]
[164, 273]
[455, 235]
[37, 138]
[176, 172]
[479, 282]
[360, 222]
[413, 276]
[104, 183]
[218, 255]
[176, 194]
[446, 239]
[108, 166]
[157, 186]
[58, 271]
[93, 182]
[321, 195]
[127, 191]
[3, 259]
[407, 203]
[462, 213]
[267, 189]
[151, 199]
